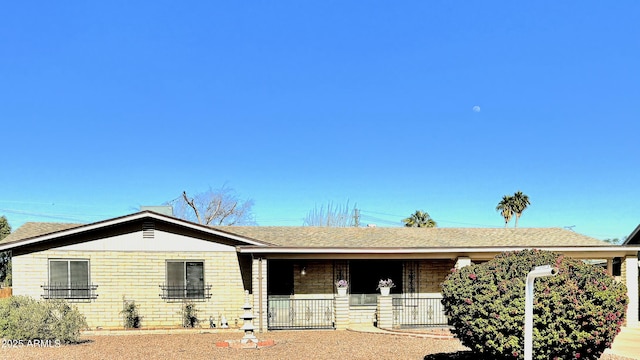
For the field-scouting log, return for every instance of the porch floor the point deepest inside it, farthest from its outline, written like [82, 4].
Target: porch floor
[626, 343]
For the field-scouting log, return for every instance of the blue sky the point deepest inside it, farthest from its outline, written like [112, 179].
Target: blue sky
[435, 105]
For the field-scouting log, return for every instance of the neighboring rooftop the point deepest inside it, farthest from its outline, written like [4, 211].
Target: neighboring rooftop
[33, 229]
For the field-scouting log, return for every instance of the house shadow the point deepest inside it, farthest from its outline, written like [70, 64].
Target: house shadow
[81, 342]
[459, 355]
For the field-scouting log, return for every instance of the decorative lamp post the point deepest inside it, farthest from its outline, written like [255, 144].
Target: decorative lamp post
[538, 271]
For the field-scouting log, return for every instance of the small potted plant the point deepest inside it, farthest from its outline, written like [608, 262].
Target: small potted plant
[342, 286]
[385, 286]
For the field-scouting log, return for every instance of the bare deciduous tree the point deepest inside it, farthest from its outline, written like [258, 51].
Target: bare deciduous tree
[214, 207]
[334, 216]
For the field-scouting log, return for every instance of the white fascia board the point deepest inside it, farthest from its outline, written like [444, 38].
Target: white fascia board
[611, 251]
[634, 233]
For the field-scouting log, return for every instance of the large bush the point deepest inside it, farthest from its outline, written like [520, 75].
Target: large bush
[23, 318]
[577, 313]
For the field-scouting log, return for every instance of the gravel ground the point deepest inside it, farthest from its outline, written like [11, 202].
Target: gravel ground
[289, 345]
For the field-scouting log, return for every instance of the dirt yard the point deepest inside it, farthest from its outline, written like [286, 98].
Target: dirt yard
[289, 345]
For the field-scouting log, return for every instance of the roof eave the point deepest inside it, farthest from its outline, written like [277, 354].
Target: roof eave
[127, 218]
[579, 251]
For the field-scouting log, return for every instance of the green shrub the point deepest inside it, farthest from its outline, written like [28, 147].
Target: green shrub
[577, 313]
[23, 318]
[132, 319]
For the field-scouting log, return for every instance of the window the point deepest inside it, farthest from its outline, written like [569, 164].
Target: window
[185, 280]
[69, 279]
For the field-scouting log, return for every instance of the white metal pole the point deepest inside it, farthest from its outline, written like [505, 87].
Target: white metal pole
[539, 271]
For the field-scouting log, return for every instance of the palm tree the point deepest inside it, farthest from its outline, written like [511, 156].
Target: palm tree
[419, 219]
[520, 203]
[505, 206]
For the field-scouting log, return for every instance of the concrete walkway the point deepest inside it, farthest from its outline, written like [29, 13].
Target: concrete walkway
[627, 343]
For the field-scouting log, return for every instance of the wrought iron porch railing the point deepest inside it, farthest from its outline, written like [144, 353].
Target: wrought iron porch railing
[70, 292]
[173, 292]
[411, 311]
[285, 313]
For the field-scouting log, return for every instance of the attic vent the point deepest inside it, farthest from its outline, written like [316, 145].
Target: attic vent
[148, 229]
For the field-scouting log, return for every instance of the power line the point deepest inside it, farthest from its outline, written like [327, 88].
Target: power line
[278, 220]
[380, 220]
[78, 218]
[41, 215]
[381, 213]
[463, 223]
[50, 203]
[439, 221]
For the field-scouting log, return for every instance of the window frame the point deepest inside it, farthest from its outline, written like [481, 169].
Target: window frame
[69, 290]
[183, 291]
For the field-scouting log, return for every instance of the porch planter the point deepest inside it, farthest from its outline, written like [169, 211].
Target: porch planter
[342, 286]
[385, 286]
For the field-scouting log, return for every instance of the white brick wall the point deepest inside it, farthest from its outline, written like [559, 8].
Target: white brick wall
[136, 276]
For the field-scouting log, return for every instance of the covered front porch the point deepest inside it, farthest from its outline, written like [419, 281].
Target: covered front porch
[302, 294]
[299, 292]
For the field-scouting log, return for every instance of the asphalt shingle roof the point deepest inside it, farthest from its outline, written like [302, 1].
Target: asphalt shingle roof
[382, 237]
[377, 237]
[33, 229]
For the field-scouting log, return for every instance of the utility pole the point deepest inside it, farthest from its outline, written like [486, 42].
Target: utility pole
[356, 218]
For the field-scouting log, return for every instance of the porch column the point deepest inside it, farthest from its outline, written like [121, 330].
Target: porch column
[259, 285]
[630, 276]
[385, 312]
[341, 309]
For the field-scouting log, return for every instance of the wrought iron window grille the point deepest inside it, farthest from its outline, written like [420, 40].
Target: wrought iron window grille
[71, 292]
[177, 292]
